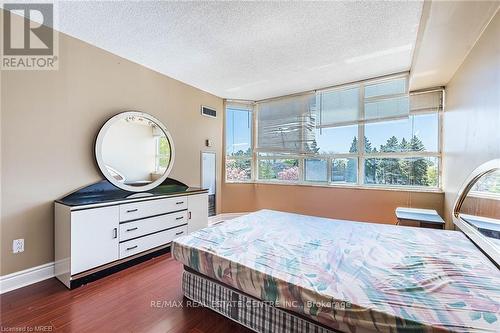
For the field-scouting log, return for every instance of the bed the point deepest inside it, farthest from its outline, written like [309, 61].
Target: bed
[335, 275]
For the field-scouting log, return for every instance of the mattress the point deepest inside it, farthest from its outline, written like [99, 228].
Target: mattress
[351, 276]
[243, 309]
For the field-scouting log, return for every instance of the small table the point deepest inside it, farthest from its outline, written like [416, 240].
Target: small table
[415, 217]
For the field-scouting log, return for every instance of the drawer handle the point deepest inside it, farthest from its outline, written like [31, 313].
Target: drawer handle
[179, 218]
[132, 229]
[132, 247]
[179, 202]
[115, 232]
[179, 233]
[132, 210]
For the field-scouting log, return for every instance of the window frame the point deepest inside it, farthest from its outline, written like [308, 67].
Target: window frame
[243, 106]
[360, 155]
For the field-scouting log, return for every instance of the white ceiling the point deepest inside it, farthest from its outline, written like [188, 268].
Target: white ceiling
[256, 50]
[252, 50]
[449, 31]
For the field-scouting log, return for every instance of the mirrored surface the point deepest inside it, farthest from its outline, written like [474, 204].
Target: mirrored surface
[134, 151]
[481, 206]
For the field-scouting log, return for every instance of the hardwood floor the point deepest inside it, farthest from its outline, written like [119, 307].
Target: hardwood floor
[136, 299]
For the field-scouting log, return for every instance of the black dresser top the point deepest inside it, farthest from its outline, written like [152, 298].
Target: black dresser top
[105, 192]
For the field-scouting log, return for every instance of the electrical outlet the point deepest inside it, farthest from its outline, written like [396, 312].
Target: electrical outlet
[18, 245]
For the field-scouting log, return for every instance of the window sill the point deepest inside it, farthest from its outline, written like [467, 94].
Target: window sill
[342, 186]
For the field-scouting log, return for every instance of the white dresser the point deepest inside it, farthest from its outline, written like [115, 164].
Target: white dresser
[95, 236]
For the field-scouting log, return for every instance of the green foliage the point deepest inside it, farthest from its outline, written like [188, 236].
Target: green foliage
[277, 169]
[266, 170]
[351, 174]
[396, 171]
[240, 152]
[238, 169]
[163, 153]
[354, 145]
[391, 146]
[241, 164]
[432, 175]
[339, 169]
[164, 146]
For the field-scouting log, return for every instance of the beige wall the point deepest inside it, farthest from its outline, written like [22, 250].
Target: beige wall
[341, 203]
[48, 123]
[472, 116]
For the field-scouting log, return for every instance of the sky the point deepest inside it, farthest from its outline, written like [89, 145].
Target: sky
[339, 139]
[238, 130]
[424, 127]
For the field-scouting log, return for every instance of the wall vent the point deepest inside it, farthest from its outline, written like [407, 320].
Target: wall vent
[206, 111]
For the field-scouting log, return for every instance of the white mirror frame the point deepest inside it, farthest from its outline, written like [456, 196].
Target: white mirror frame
[101, 164]
[479, 239]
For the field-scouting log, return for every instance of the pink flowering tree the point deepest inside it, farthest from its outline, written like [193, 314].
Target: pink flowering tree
[235, 171]
[291, 173]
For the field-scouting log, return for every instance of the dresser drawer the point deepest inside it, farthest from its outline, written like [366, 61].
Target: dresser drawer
[149, 225]
[145, 243]
[138, 210]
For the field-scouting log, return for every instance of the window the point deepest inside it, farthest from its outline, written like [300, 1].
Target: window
[316, 170]
[238, 143]
[374, 133]
[412, 133]
[283, 169]
[336, 140]
[345, 170]
[408, 171]
[162, 157]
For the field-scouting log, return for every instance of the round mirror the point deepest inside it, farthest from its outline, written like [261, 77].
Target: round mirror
[477, 211]
[134, 151]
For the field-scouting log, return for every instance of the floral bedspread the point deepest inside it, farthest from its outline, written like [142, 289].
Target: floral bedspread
[352, 276]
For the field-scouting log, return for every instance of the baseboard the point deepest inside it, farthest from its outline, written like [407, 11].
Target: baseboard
[26, 277]
[224, 217]
[46, 271]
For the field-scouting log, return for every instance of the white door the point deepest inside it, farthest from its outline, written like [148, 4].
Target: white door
[208, 178]
[198, 212]
[94, 237]
[208, 171]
